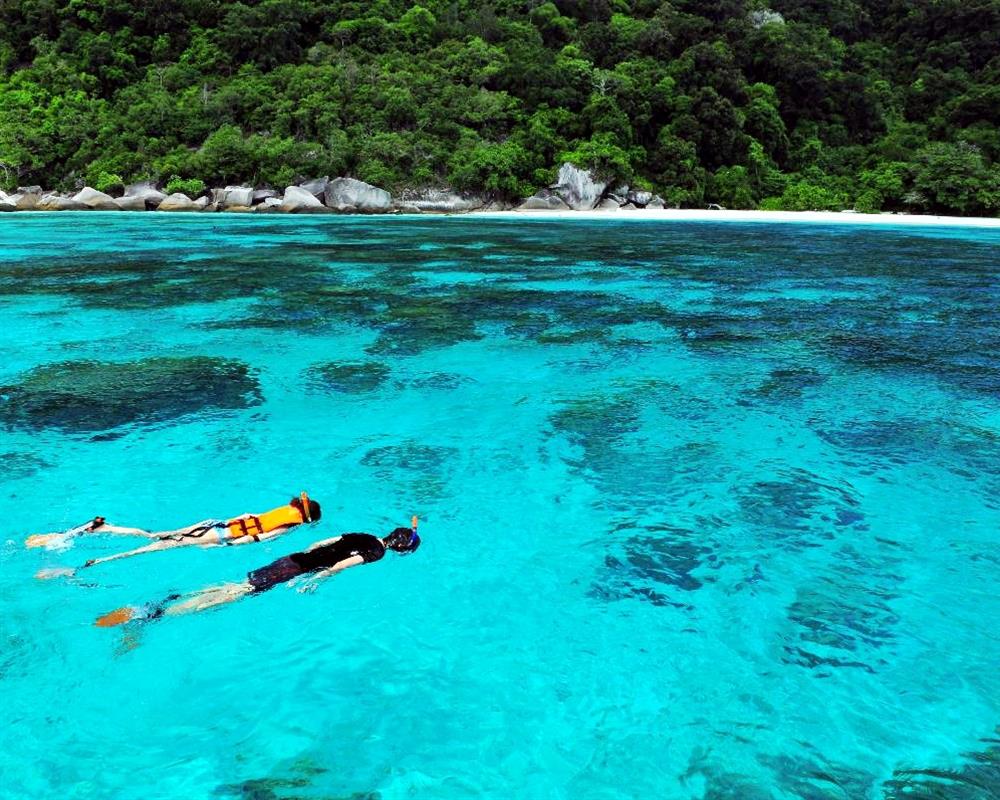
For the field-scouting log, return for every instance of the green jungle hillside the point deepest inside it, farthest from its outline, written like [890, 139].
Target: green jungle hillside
[795, 104]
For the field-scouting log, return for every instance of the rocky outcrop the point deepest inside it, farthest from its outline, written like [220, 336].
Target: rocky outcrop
[618, 193]
[30, 190]
[148, 192]
[640, 198]
[656, 203]
[545, 200]
[5, 203]
[130, 203]
[300, 201]
[260, 195]
[578, 188]
[608, 204]
[440, 201]
[56, 202]
[98, 201]
[350, 195]
[25, 201]
[271, 205]
[233, 196]
[316, 187]
[204, 204]
[178, 202]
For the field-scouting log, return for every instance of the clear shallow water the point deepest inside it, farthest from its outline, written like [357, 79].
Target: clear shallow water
[708, 510]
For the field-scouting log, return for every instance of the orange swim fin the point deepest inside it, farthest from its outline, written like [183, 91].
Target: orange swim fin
[117, 617]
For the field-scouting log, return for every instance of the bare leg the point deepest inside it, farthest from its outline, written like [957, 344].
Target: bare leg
[212, 597]
[162, 544]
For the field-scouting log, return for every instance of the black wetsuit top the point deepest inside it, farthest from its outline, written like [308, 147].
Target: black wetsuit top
[369, 547]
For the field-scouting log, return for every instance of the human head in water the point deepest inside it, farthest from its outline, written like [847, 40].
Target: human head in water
[402, 540]
[314, 512]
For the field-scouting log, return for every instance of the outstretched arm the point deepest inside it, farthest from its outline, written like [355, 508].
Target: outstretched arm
[313, 581]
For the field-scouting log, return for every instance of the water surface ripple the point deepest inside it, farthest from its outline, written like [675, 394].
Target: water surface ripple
[710, 510]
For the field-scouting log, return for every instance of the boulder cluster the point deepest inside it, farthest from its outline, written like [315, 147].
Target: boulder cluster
[576, 189]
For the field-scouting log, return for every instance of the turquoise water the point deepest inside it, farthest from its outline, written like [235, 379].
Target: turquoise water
[709, 510]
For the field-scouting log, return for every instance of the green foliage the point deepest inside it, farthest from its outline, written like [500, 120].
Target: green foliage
[602, 155]
[192, 187]
[893, 107]
[801, 195]
[106, 182]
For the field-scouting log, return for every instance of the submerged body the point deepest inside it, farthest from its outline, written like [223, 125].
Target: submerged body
[207, 533]
[320, 560]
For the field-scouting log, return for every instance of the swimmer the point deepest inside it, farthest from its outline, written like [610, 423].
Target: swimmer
[318, 561]
[208, 533]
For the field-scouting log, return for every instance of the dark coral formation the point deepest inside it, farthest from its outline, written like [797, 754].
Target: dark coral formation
[421, 470]
[96, 396]
[797, 508]
[355, 377]
[656, 562]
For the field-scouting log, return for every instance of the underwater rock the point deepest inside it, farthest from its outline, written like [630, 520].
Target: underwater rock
[19, 465]
[350, 377]
[95, 396]
[655, 563]
[421, 470]
[977, 777]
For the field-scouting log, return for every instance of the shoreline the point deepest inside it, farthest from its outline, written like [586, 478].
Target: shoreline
[811, 217]
[637, 215]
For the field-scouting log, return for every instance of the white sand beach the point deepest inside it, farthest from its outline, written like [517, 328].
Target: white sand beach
[811, 217]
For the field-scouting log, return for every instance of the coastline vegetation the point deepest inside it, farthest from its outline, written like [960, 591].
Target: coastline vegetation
[879, 105]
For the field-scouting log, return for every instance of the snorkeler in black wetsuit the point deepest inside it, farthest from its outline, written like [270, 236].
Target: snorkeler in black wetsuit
[320, 560]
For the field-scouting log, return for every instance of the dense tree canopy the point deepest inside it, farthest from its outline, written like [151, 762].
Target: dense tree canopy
[878, 104]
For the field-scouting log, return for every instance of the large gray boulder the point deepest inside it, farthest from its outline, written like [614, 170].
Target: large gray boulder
[233, 196]
[177, 202]
[608, 204]
[260, 195]
[5, 203]
[25, 201]
[99, 201]
[300, 201]
[30, 190]
[640, 198]
[350, 195]
[148, 192]
[657, 203]
[271, 205]
[203, 203]
[618, 193]
[316, 187]
[56, 202]
[578, 188]
[130, 203]
[441, 201]
[545, 200]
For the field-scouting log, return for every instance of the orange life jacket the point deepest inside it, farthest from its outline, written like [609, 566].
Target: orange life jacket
[257, 524]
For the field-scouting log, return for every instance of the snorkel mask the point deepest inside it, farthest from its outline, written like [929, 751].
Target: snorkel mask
[404, 541]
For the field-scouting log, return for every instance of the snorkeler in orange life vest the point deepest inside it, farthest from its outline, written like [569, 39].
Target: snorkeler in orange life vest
[208, 533]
